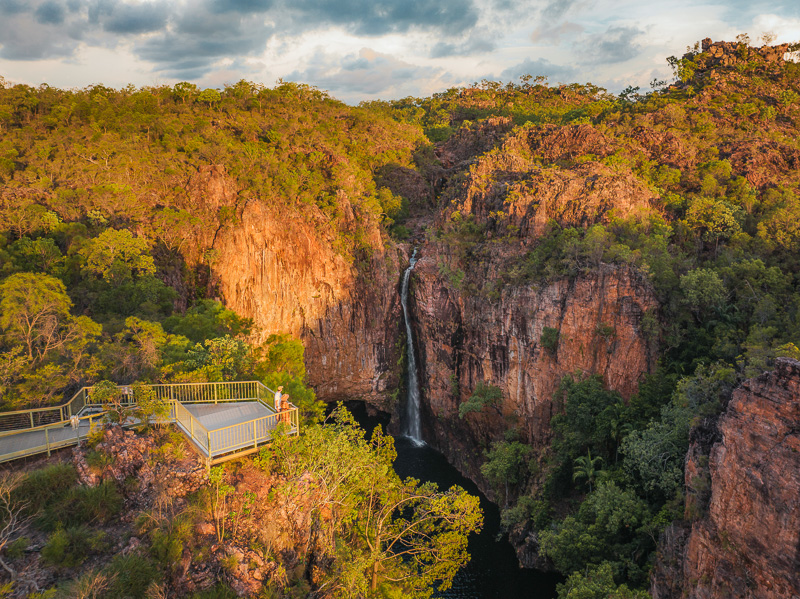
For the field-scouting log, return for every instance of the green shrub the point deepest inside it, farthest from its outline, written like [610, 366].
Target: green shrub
[99, 459]
[131, 575]
[17, 549]
[549, 338]
[483, 395]
[168, 541]
[399, 232]
[221, 591]
[41, 488]
[91, 585]
[67, 548]
[605, 330]
[81, 505]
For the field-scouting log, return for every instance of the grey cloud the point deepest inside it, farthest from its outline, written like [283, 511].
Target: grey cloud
[214, 29]
[553, 34]
[616, 44]
[197, 39]
[556, 9]
[50, 13]
[475, 45]
[44, 29]
[540, 66]
[13, 7]
[241, 6]
[136, 18]
[376, 17]
[368, 73]
[26, 39]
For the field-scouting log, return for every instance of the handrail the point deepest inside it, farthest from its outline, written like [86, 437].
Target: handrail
[193, 424]
[228, 441]
[217, 391]
[50, 443]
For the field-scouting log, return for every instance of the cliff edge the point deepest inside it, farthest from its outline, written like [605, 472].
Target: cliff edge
[747, 543]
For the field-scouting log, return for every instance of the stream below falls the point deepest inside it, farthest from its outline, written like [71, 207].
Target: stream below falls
[493, 571]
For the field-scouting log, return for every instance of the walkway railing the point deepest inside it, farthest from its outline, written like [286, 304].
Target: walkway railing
[46, 429]
[183, 392]
[50, 437]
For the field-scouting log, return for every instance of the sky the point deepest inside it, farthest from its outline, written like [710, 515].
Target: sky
[368, 49]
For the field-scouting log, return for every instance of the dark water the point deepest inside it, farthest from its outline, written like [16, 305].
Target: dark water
[493, 572]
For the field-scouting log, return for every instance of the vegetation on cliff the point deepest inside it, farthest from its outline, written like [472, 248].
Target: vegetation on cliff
[136, 515]
[106, 248]
[694, 185]
[103, 231]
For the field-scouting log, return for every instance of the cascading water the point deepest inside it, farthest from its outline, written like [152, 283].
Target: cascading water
[413, 428]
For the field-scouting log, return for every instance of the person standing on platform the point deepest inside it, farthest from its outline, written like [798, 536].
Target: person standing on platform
[278, 395]
[284, 412]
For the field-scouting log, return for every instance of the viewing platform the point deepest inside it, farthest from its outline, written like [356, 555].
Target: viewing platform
[223, 421]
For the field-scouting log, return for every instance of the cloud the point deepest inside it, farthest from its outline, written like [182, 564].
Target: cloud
[50, 13]
[367, 73]
[136, 18]
[41, 32]
[473, 45]
[556, 9]
[196, 39]
[616, 44]
[177, 36]
[553, 35]
[241, 6]
[13, 7]
[378, 17]
[539, 66]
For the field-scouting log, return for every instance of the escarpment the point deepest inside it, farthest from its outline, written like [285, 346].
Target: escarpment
[743, 540]
[522, 187]
[283, 269]
[595, 321]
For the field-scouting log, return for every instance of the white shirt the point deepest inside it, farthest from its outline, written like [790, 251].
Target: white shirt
[277, 400]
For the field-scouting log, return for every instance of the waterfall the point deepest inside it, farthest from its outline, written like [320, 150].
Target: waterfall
[413, 428]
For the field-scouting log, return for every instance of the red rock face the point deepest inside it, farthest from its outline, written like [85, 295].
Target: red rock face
[285, 274]
[748, 545]
[464, 340]
[281, 268]
[765, 162]
[513, 187]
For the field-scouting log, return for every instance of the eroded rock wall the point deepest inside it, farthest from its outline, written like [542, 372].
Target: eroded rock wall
[468, 339]
[748, 543]
[283, 268]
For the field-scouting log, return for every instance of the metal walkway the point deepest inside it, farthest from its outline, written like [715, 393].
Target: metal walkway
[223, 421]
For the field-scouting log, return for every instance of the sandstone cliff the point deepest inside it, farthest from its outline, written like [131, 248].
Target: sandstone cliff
[282, 268]
[746, 545]
[465, 339]
[522, 186]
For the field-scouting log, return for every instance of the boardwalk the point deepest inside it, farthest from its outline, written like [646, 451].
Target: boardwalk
[222, 420]
[40, 440]
[220, 416]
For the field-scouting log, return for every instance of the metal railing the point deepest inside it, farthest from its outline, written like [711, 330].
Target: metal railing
[55, 437]
[36, 417]
[211, 392]
[215, 445]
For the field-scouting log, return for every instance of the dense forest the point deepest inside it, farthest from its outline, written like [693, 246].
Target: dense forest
[106, 269]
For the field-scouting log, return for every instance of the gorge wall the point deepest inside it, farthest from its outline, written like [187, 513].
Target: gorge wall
[465, 339]
[746, 542]
[282, 269]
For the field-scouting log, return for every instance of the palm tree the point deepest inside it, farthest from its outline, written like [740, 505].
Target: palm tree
[586, 467]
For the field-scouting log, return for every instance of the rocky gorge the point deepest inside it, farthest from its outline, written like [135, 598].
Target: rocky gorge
[605, 304]
[477, 322]
[740, 537]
